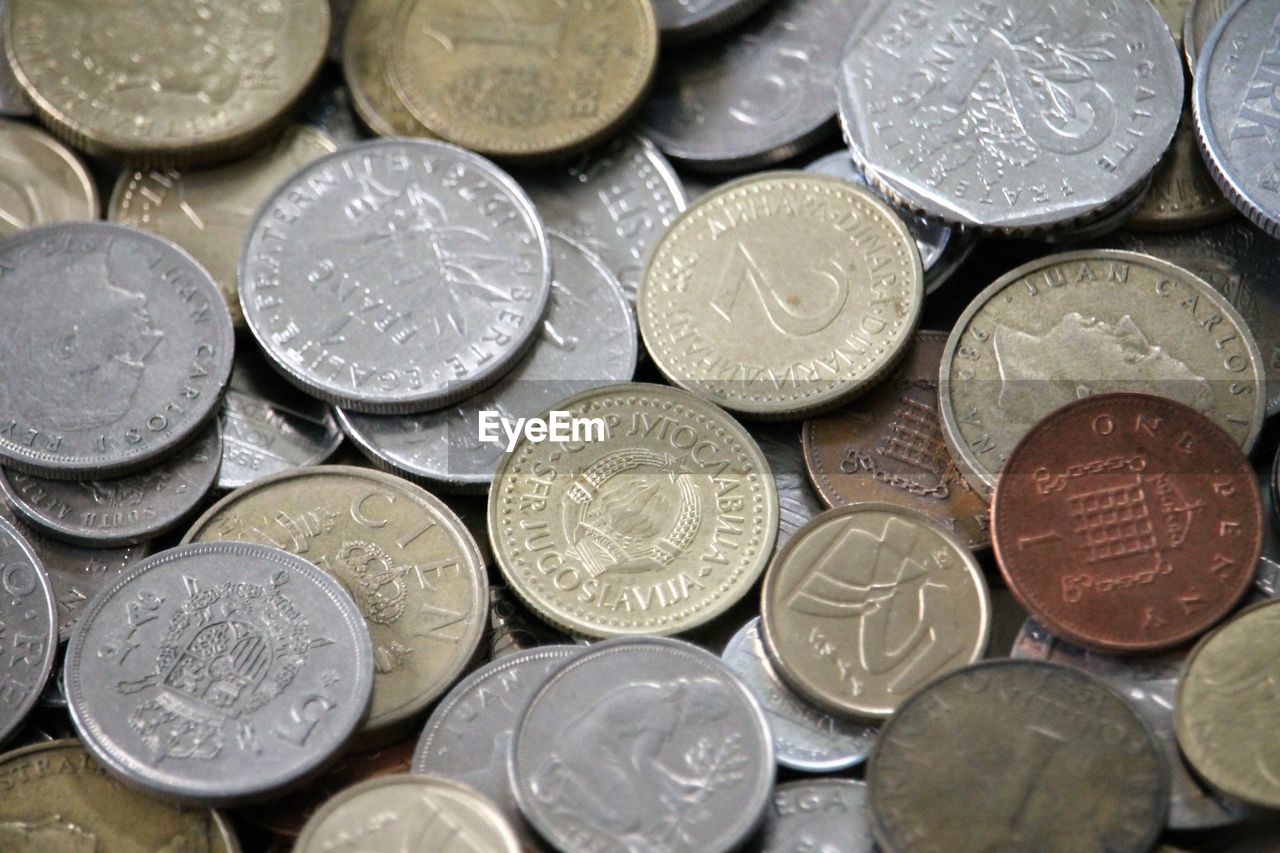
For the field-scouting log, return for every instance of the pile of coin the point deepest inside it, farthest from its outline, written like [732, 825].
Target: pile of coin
[639, 425]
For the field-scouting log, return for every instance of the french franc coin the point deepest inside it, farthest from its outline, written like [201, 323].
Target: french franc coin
[683, 21]
[395, 276]
[41, 180]
[29, 618]
[219, 673]
[822, 815]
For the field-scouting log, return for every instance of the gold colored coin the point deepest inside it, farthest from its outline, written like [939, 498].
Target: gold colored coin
[41, 181]
[523, 79]
[165, 82]
[782, 294]
[208, 212]
[407, 560]
[364, 64]
[1183, 194]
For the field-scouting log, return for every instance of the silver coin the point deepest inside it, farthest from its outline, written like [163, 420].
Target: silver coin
[818, 816]
[615, 201]
[29, 625]
[683, 21]
[12, 100]
[219, 673]
[797, 502]
[649, 744]
[268, 426]
[395, 276]
[1237, 113]
[135, 342]
[588, 339]
[468, 737]
[804, 737]
[1150, 684]
[1018, 116]
[1197, 26]
[759, 96]
[121, 510]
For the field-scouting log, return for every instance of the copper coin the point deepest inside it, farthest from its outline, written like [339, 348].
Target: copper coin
[889, 448]
[1127, 523]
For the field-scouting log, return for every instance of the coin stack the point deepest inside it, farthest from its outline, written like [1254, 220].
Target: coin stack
[639, 425]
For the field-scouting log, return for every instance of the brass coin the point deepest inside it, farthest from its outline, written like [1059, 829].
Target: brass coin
[1183, 194]
[656, 529]
[208, 212]
[406, 559]
[781, 294]
[869, 602]
[523, 79]
[168, 83]
[364, 64]
[41, 181]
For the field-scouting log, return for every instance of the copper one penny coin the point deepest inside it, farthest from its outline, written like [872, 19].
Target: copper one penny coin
[1127, 523]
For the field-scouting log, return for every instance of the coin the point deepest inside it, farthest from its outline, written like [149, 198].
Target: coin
[683, 21]
[57, 798]
[889, 448]
[29, 619]
[805, 738]
[219, 673]
[169, 84]
[616, 201]
[782, 294]
[12, 101]
[526, 80]
[1174, 12]
[656, 529]
[587, 339]
[1127, 523]
[822, 815]
[41, 181]
[605, 746]
[1016, 117]
[1183, 195]
[364, 64]
[408, 812]
[1077, 768]
[869, 602]
[1224, 713]
[209, 212]
[1202, 16]
[1087, 322]
[395, 276]
[797, 504]
[137, 352]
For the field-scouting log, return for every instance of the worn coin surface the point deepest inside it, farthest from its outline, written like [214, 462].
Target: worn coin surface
[822, 815]
[525, 80]
[406, 559]
[364, 65]
[1202, 16]
[868, 603]
[781, 294]
[1019, 116]
[57, 798]
[1078, 769]
[29, 619]
[889, 447]
[169, 83]
[1127, 523]
[12, 100]
[208, 211]
[1183, 194]
[395, 276]
[136, 354]
[797, 503]
[682, 21]
[658, 528]
[219, 672]
[1086, 322]
[587, 339]
[804, 737]
[648, 744]
[41, 181]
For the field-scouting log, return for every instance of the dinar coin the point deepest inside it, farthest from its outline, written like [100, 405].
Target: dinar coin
[41, 181]
[29, 619]
[1183, 195]
[656, 527]
[781, 294]
[868, 603]
[364, 65]
[822, 815]
[683, 21]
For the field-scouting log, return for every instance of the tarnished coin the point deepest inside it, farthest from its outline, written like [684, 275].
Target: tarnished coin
[208, 212]
[781, 294]
[395, 276]
[405, 558]
[1127, 523]
[821, 815]
[57, 798]
[13, 102]
[797, 503]
[646, 744]
[364, 64]
[1202, 16]
[804, 737]
[587, 339]
[868, 603]
[683, 21]
[137, 347]
[659, 525]
[29, 624]
[1088, 322]
[523, 79]
[1224, 715]
[1021, 116]
[1183, 195]
[165, 84]
[889, 447]
[1073, 766]
[41, 181]
[408, 812]
[219, 672]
